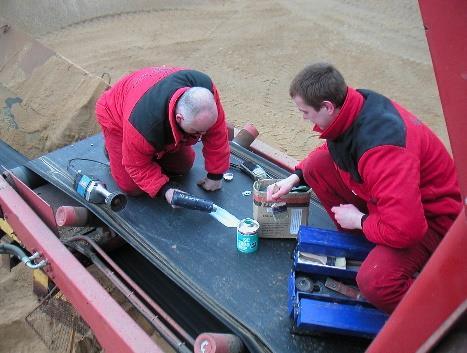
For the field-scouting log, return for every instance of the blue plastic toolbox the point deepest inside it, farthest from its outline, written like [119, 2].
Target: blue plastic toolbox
[323, 294]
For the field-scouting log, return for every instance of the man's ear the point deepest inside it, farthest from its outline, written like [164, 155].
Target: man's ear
[329, 106]
[178, 118]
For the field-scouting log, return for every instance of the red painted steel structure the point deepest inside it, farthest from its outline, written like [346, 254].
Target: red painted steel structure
[446, 23]
[428, 308]
[38, 205]
[115, 330]
[439, 295]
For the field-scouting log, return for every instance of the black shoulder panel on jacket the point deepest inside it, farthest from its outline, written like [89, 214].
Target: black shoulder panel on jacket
[378, 124]
[150, 114]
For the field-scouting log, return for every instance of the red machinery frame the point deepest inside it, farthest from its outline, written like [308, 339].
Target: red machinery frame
[438, 298]
[426, 312]
[115, 329]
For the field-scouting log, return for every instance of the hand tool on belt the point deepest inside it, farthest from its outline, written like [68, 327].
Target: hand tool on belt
[185, 200]
[95, 191]
[253, 170]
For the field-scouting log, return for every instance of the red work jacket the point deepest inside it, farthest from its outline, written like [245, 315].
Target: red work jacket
[141, 107]
[389, 158]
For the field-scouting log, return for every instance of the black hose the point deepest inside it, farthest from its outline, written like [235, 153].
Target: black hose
[14, 250]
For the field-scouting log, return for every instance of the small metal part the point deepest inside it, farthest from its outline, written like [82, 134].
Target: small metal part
[253, 170]
[228, 176]
[301, 188]
[35, 266]
[246, 193]
[303, 284]
[225, 217]
[342, 288]
[318, 287]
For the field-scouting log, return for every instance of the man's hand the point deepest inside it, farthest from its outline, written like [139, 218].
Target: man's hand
[281, 188]
[209, 184]
[169, 195]
[348, 216]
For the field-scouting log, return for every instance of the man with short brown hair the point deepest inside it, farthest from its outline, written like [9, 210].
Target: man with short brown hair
[381, 172]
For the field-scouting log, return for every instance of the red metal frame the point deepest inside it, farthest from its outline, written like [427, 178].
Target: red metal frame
[39, 206]
[446, 23]
[274, 155]
[115, 330]
[440, 292]
[437, 296]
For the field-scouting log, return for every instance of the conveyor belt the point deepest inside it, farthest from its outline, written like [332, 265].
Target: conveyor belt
[175, 302]
[9, 157]
[247, 293]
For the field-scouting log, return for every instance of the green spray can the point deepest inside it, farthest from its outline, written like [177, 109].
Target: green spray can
[247, 236]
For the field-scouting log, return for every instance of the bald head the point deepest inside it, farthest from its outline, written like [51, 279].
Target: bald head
[197, 110]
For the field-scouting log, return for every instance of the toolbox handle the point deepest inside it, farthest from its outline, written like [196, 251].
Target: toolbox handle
[185, 200]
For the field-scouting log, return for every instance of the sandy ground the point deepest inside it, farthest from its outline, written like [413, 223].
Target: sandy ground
[251, 49]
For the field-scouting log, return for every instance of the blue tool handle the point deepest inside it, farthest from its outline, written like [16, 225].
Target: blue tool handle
[191, 202]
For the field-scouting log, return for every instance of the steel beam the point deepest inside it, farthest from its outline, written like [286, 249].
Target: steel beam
[439, 295]
[446, 31]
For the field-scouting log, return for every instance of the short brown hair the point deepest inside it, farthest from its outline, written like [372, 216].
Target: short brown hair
[317, 83]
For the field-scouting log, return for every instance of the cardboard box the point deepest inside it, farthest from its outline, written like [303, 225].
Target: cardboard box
[281, 218]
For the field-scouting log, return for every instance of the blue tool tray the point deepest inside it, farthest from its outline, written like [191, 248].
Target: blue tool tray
[346, 319]
[316, 309]
[349, 272]
[333, 243]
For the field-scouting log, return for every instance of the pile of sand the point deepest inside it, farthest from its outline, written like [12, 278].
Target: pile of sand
[252, 50]
[48, 102]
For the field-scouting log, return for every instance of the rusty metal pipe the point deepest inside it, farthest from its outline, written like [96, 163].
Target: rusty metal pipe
[175, 326]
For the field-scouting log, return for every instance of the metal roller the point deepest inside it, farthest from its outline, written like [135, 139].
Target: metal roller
[218, 343]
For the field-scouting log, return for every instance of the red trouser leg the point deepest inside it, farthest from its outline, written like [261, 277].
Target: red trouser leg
[321, 175]
[387, 273]
[179, 162]
[113, 144]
